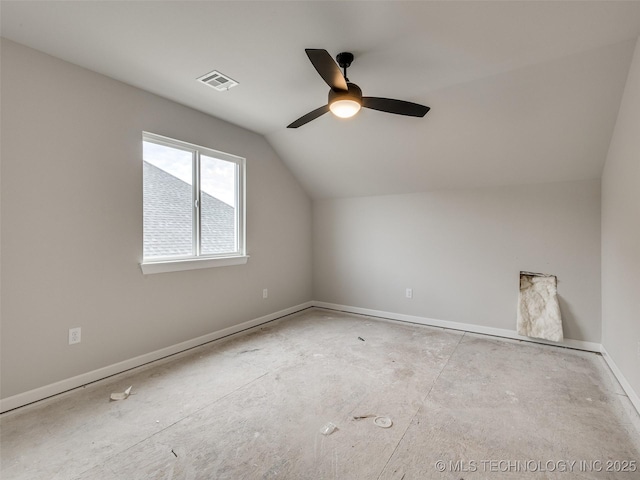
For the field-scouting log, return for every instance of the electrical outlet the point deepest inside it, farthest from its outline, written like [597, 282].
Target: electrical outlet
[265, 293]
[75, 335]
[409, 293]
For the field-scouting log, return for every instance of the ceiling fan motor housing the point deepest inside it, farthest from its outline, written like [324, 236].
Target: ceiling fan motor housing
[354, 93]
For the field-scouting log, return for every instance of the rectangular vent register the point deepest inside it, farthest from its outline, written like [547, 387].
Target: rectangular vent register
[218, 80]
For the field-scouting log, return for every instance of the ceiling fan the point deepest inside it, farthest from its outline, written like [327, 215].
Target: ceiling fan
[345, 98]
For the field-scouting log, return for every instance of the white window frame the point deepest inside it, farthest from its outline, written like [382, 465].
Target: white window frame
[198, 260]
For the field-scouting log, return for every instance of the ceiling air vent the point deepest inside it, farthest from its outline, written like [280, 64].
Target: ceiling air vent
[218, 80]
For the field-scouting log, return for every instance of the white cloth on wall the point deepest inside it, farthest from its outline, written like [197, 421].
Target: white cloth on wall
[538, 308]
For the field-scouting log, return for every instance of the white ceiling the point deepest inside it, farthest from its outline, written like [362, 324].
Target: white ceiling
[521, 92]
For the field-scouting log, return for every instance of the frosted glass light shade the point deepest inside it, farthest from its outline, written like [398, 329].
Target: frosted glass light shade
[344, 108]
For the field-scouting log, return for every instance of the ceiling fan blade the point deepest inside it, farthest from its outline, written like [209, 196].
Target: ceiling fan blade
[399, 107]
[327, 68]
[309, 116]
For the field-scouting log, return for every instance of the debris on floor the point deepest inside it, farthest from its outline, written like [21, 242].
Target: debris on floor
[121, 395]
[328, 429]
[360, 338]
[249, 351]
[383, 422]
[360, 417]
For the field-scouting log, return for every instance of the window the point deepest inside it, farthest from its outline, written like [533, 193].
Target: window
[193, 205]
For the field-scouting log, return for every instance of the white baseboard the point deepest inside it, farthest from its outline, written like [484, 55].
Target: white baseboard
[626, 386]
[467, 327]
[41, 393]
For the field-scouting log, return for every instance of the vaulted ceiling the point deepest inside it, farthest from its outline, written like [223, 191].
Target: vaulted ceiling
[520, 92]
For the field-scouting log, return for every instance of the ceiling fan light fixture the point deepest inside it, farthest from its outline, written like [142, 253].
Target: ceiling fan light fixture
[345, 108]
[345, 104]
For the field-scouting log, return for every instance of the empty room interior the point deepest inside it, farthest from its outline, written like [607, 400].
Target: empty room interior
[311, 240]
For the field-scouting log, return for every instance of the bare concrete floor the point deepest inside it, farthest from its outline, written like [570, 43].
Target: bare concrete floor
[463, 406]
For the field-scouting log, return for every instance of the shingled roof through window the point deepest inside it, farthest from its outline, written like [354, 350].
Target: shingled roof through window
[168, 214]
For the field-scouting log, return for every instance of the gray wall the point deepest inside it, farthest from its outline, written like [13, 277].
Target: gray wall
[621, 235]
[72, 226]
[461, 251]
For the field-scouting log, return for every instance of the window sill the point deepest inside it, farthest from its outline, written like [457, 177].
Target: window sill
[163, 266]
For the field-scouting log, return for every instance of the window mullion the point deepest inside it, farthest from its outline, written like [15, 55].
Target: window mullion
[196, 204]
